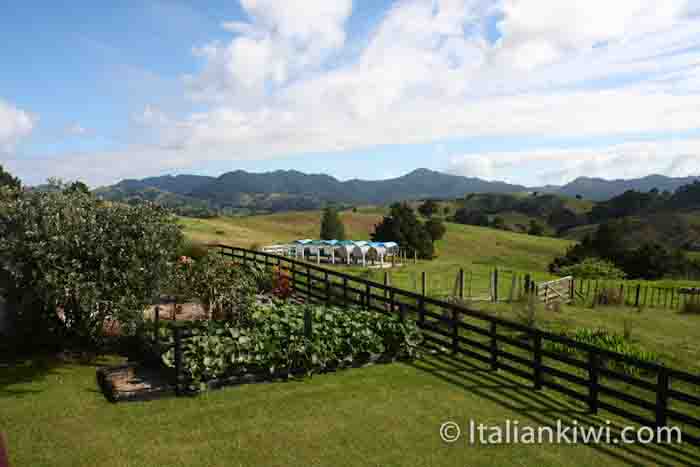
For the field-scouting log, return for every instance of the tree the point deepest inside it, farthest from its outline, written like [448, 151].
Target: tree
[535, 228]
[331, 226]
[428, 208]
[78, 186]
[6, 179]
[465, 216]
[403, 227]
[436, 229]
[70, 264]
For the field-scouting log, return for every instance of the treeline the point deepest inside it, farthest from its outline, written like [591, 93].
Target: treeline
[650, 260]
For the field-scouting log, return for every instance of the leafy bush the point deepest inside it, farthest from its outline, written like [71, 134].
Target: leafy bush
[281, 285]
[226, 290]
[192, 249]
[593, 268]
[604, 339]
[275, 339]
[70, 263]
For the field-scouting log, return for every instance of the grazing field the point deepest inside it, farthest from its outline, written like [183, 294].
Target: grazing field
[475, 249]
[247, 231]
[389, 415]
[462, 244]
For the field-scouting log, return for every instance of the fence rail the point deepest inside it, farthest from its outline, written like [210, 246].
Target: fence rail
[653, 395]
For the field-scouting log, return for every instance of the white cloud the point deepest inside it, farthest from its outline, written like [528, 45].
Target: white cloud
[559, 166]
[282, 40]
[287, 81]
[14, 125]
[428, 72]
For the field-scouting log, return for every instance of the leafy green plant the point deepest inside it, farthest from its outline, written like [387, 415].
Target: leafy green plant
[275, 339]
[192, 249]
[606, 340]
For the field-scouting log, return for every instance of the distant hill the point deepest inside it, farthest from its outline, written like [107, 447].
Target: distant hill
[283, 190]
[598, 189]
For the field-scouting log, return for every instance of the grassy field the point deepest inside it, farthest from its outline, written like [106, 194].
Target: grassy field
[476, 249]
[386, 415]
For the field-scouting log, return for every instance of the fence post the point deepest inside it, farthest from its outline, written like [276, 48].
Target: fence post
[328, 288]
[308, 330]
[367, 296]
[156, 323]
[422, 283]
[461, 283]
[392, 304]
[415, 257]
[527, 284]
[537, 359]
[593, 384]
[177, 332]
[308, 282]
[636, 298]
[402, 312]
[386, 283]
[572, 289]
[494, 346]
[661, 397]
[345, 291]
[494, 285]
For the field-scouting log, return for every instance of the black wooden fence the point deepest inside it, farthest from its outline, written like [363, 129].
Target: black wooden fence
[644, 392]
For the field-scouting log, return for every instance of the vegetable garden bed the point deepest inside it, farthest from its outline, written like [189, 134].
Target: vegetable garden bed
[278, 341]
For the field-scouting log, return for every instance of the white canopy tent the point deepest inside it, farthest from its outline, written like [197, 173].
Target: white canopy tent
[360, 252]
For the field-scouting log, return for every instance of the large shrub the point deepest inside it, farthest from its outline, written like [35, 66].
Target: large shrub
[70, 263]
[593, 268]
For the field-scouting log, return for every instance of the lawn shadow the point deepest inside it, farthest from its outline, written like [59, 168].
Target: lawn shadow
[22, 371]
[520, 397]
[17, 372]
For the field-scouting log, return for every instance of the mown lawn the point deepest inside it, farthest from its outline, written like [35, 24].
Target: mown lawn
[386, 415]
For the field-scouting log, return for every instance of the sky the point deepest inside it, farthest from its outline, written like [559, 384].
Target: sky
[532, 92]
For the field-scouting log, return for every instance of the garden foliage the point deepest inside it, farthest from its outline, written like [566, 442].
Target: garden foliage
[275, 340]
[606, 340]
[70, 263]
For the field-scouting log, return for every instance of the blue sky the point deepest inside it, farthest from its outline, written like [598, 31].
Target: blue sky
[520, 90]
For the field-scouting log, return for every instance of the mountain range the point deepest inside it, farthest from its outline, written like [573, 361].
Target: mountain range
[290, 189]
